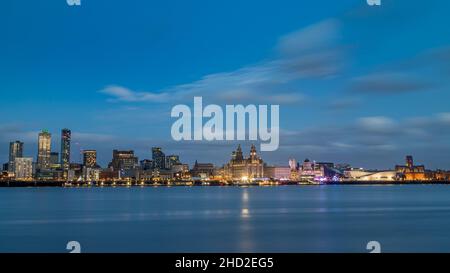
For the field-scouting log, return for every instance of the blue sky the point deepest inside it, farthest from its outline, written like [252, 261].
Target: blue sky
[356, 84]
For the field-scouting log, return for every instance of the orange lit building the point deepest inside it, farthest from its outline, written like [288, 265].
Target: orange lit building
[411, 172]
[245, 169]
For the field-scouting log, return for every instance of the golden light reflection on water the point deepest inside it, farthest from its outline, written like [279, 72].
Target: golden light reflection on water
[245, 213]
[246, 240]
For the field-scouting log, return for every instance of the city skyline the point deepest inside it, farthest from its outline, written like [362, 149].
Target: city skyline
[156, 156]
[355, 84]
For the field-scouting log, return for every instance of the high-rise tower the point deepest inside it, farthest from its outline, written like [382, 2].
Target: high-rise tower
[15, 151]
[66, 136]
[44, 150]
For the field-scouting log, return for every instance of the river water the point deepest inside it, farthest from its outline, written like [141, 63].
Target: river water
[409, 218]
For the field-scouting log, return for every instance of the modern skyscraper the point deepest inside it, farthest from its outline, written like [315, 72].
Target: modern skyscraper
[15, 150]
[159, 158]
[44, 150]
[66, 136]
[90, 158]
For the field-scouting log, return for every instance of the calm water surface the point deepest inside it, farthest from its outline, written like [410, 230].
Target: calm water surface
[410, 218]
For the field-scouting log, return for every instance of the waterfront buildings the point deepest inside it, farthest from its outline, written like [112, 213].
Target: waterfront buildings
[169, 169]
[15, 151]
[23, 168]
[90, 170]
[412, 172]
[159, 158]
[44, 150]
[172, 160]
[358, 174]
[90, 158]
[203, 170]
[5, 175]
[441, 175]
[181, 171]
[277, 172]
[66, 137]
[123, 161]
[245, 169]
[312, 171]
[91, 174]
[407, 172]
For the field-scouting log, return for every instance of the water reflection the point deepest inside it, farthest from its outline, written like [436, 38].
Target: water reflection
[277, 219]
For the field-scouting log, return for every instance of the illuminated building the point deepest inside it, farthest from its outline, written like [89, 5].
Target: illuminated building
[66, 136]
[160, 175]
[411, 172]
[148, 175]
[244, 169]
[172, 160]
[364, 175]
[75, 172]
[23, 169]
[4, 175]
[90, 158]
[91, 174]
[294, 167]
[44, 150]
[442, 175]
[203, 170]
[123, 161]
[180, 167]
[159, 158]
[181, 171]
[277, 172]
[310, 170]
[15, 150]
[318, 171]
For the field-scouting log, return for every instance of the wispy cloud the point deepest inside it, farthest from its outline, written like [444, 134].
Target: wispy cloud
[377, 124]
[312, 52]
[120, 93]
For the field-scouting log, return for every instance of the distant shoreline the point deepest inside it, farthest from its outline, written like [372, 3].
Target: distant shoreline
[22, 184]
